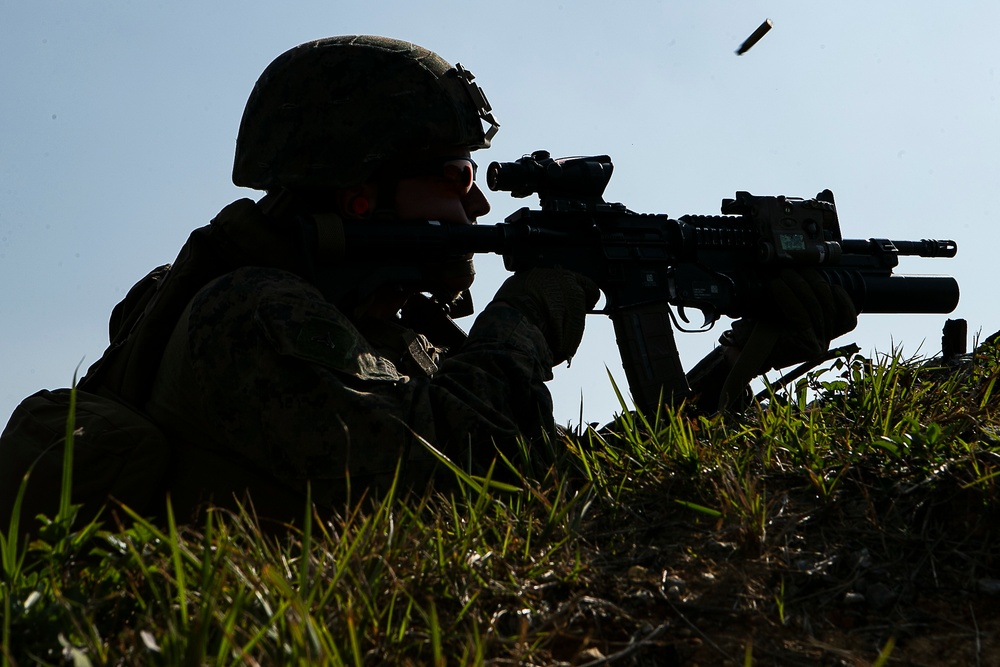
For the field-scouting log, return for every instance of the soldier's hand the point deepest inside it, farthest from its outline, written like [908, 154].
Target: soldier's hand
[809, 313]
[555, 300]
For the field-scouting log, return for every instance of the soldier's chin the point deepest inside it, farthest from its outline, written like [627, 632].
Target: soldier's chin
[451, 277]
[453, 286]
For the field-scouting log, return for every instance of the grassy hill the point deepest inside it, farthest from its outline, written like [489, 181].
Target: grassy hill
[849, 521]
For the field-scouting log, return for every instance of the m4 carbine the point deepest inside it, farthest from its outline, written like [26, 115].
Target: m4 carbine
[644, 263]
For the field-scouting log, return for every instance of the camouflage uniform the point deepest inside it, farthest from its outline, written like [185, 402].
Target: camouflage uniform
[264, 383]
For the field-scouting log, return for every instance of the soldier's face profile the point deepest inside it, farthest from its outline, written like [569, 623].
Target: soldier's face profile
[444, 190]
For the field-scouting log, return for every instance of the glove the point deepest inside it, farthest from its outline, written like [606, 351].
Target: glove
[554, 300]
[809, 311]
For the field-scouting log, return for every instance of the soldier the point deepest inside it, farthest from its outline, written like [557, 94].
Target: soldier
[299, 367]
[268, 359]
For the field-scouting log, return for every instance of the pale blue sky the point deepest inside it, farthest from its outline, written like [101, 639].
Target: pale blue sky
[119, 121]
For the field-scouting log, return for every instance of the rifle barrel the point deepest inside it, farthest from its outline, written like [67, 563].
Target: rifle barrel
[921, 248]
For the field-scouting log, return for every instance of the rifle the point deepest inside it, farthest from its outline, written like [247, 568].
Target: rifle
[645, 263]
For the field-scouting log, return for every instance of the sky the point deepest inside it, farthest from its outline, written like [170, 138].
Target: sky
[119, 121]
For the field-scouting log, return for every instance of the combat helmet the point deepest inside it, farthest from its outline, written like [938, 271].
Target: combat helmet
[329, 112]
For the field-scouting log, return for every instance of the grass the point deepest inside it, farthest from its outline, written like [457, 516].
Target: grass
[848, 520]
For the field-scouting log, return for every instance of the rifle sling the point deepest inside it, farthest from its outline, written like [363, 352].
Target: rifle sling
[749, 363]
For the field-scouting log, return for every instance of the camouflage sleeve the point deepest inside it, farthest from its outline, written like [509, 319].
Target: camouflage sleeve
[263, 368]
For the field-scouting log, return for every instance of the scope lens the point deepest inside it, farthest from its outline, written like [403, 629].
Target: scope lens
[493, 176]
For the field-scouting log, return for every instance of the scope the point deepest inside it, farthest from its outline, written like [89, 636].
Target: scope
[579, 178]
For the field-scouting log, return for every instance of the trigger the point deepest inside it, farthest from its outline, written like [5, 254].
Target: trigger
[683, 314]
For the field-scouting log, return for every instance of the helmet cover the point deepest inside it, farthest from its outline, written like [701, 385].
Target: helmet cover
[330, 112]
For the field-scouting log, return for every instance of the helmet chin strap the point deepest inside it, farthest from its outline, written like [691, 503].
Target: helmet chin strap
[331, 245]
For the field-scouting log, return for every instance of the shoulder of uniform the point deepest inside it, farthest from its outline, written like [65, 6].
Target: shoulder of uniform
[314, 331]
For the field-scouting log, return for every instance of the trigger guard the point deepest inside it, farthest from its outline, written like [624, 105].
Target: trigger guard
[710, 318]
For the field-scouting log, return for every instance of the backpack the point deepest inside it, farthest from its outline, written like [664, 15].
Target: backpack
[118, 452]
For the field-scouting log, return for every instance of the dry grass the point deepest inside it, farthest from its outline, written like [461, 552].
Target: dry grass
[850, 522]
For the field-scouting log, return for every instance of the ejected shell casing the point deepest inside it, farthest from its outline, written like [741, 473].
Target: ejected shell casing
[755, 37]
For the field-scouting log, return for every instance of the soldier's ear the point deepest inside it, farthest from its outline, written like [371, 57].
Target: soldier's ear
[358, 202]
